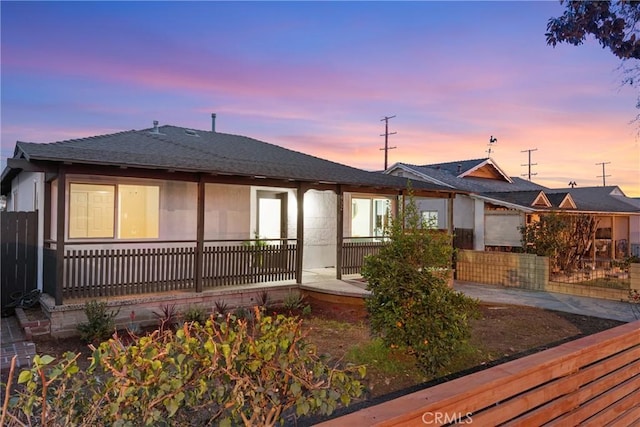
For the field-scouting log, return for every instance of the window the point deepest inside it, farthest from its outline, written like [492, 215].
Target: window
[430, 218]
[369, 217]
[138, 211]
[92, 211]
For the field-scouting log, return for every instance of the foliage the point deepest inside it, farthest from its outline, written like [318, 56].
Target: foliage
[195, 313]
[613, 24]
[168, 317]
[264, 301]
[222, 308]
[293, 301]
[411, 305]
[564, 238]
[100, 323]
[634, 299]
[223, 373]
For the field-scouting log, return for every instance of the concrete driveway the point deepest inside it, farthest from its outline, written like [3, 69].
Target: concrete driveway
[606, 309]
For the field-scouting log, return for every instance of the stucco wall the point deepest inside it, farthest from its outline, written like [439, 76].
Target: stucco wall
[320, 229]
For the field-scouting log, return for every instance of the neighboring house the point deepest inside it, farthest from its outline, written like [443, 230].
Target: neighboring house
[170, 208]
[471, 212]
[496, 205]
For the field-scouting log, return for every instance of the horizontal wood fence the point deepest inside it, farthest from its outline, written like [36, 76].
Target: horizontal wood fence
[92, 273]
[592, 381]
[354, 253]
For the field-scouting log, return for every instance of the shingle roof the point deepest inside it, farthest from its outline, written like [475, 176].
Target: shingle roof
[598, 199]
[447, 173]
[181, 149]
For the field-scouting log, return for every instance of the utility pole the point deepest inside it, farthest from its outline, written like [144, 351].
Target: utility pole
[529, 164]
[386, 140]
[603, 176]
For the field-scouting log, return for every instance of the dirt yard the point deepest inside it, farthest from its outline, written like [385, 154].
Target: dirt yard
[501, 333]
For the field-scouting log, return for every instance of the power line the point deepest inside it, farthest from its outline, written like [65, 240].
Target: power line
[603, 176]
[529, 164]
[386, 140]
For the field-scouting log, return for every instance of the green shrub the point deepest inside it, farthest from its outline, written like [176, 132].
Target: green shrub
[411, 305]
[218, 373]
[100, 323]
[293, 301]
[195, 313]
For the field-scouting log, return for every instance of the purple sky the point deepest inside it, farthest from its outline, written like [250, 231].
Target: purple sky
[319, 77]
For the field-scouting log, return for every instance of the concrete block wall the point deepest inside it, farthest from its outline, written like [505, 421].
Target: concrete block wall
[634, 275]
[525, 271]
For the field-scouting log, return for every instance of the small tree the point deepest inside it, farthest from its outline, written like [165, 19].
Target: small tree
[564, 238]
[411, 305]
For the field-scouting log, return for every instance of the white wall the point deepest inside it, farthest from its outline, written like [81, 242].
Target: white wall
[320, 229]
[478, 225]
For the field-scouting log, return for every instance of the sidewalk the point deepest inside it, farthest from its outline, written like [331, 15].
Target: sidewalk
[595, 307]
[13, 343]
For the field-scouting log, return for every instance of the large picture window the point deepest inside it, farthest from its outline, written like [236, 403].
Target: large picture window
[93, 211]
[369, 217]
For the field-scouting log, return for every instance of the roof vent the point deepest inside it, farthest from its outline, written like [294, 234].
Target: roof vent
[191, 132]
[213, 122]
[459, 167]
[155, 127]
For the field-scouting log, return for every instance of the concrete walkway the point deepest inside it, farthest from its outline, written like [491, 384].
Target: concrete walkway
[606, 309]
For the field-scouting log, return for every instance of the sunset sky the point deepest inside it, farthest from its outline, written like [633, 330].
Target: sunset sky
[318, 77]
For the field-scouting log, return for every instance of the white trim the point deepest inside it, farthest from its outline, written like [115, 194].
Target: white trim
[488, 161]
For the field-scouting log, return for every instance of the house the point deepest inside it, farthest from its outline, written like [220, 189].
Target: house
[495, 206]
[169, 209]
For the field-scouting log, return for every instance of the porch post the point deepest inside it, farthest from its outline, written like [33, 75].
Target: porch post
[60, 233]
[199, 255]
[339, 231]
[450, 213]
[300, 231]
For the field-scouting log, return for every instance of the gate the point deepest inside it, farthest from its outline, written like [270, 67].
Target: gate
[18, 253]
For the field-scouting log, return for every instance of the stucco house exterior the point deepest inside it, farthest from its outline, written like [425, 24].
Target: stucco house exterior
[171, 209]
[495, 205]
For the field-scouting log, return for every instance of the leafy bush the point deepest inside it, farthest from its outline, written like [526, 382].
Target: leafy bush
[411, 305]
[219, 373]
[293, 301]
[100, 323]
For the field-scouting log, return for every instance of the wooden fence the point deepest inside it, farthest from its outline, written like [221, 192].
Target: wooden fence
[592, 381]
[113, 272]
[354, 252]
[18, 253]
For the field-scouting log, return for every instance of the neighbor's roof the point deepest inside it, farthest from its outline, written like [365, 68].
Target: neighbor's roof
[599, 199]
[180, 149]
[456, 175]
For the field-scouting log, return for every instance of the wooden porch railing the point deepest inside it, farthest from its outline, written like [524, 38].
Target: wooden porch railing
[354, 250]
[90, 273]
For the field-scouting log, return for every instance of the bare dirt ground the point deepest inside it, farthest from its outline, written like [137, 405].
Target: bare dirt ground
[502, 332]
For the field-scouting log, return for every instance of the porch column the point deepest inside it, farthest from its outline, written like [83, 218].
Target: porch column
[60, 233]
[340, 230]
[300, 231]
[199, 255]
[450, 213]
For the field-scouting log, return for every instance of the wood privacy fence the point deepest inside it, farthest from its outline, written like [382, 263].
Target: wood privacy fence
[592, 381]
[112, 272]
[354, 252]
[18, 253]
